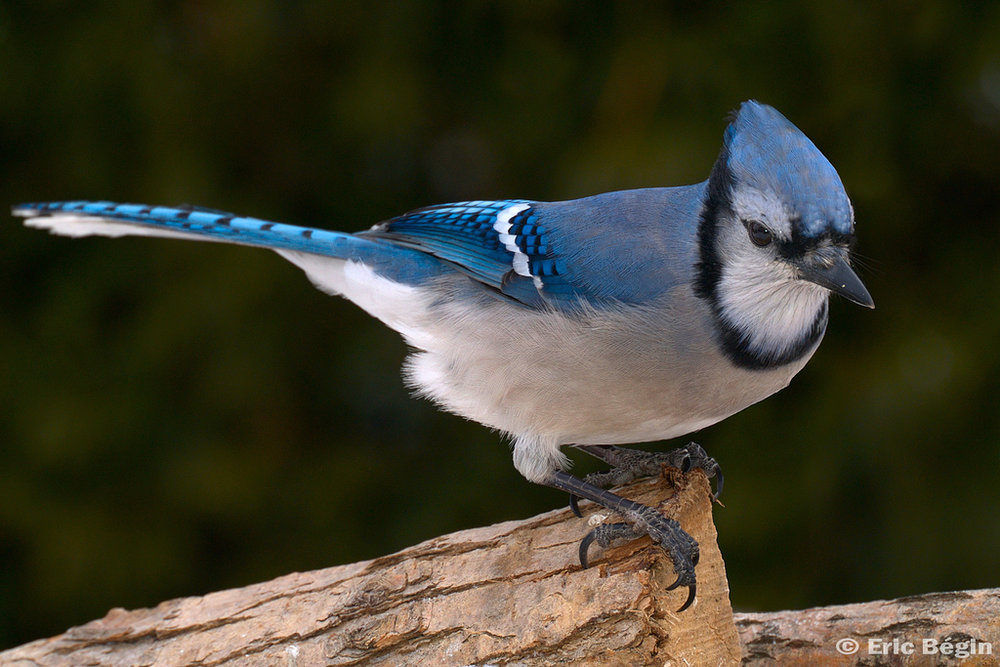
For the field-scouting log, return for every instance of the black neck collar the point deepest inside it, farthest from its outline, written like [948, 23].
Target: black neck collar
[708, 274]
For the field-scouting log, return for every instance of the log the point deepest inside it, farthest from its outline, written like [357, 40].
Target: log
[930, 629]
[512, 593]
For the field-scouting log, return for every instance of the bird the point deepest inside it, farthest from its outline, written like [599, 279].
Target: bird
[620, 318]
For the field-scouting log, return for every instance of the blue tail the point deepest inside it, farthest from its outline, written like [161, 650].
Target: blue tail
[85, 218]
[184, 222]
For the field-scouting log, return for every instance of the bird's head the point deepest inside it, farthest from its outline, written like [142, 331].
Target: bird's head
[775, 238]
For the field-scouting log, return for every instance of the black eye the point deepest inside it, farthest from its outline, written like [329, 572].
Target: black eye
[759, 233]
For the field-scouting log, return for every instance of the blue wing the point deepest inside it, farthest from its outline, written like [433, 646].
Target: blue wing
[627, 246]
[501, 244]
[498, 243]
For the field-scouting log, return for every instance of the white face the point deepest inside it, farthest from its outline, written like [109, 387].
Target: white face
[759, 291]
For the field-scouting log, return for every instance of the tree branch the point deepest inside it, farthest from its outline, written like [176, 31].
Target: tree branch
[512, 592]
[885, 632]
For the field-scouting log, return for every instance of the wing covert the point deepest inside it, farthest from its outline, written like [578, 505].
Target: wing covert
[502, 244]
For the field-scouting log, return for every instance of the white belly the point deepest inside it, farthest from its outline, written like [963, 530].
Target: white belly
[549, 378]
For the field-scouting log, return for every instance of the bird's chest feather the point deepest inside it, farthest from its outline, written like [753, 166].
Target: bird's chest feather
[603, 376]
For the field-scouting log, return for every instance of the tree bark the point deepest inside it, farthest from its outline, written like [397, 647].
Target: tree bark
[512, 593]
[931, 629]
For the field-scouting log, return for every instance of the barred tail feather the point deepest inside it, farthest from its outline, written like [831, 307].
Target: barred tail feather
[381, 277]
[82, 218]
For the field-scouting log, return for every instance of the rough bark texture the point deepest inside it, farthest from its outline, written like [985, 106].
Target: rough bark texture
[513, 593]
[960, 627]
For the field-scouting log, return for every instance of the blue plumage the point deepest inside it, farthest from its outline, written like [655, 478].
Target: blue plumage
[213, 223]
[618, 318]
[463, 236]
[766, 151]
[209, 224]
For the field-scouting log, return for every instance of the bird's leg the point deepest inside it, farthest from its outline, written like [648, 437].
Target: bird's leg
[630, 464]
[639, 520]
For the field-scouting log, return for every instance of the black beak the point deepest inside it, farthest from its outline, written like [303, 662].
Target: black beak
[840, 279]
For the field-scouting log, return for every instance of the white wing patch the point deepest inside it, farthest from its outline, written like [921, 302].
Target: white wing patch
[509, 241]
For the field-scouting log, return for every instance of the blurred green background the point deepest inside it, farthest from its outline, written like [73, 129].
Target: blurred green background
[177, 418]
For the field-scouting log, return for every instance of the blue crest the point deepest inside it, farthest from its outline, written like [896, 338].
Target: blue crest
[767, 152]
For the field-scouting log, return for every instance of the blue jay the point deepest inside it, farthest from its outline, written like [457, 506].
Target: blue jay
[619, 318]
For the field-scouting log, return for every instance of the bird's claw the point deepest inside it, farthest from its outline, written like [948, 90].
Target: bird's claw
[694, 456]
[667, 533]
[692, 591]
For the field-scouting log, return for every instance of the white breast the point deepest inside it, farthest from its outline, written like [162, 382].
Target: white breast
[547, 378]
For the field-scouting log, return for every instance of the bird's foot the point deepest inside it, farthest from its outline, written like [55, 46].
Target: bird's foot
[639, 520]
[630, 464]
